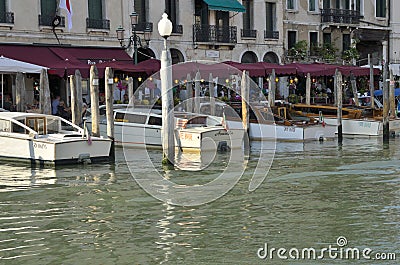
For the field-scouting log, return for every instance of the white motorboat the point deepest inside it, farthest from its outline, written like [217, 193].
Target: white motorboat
[48, 139]
[200, 132]
[141, 127]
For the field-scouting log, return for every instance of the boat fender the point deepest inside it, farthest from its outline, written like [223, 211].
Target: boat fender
[84, 158]
[223, 147]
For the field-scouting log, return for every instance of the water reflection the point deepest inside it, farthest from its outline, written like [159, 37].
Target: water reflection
[166, 241]
[95, 214]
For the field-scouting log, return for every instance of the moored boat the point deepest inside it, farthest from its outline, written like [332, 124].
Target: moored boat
[48, 139]
[264, 124]
[355, 121]
[141, 127]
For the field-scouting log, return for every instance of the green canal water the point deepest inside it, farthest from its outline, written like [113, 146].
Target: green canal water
[314, 193]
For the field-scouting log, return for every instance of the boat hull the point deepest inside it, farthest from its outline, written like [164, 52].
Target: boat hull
[210, 138]
[46, 151]
[364, 127]
[260, 131]
[134, 135]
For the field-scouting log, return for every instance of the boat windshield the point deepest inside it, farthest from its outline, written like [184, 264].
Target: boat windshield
[4, 126]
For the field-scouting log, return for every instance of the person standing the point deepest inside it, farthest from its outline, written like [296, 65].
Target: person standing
[54, 105]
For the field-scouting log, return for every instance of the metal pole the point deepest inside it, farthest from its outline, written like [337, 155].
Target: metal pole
[135, 48]
[167, 107]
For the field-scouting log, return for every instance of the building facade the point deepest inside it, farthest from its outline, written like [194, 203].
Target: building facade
[228, 30]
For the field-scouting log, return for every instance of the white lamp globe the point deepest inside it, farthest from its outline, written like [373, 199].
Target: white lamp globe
[165, 26]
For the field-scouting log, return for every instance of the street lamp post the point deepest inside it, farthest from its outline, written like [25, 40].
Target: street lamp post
[167, 103]
[134, 38]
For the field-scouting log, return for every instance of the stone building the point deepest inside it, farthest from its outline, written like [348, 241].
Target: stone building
[219, 30]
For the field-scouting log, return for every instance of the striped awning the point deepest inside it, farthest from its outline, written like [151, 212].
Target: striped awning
[225, 5]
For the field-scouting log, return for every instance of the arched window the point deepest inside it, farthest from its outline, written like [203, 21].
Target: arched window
[176, 56]
[271, 57]
[145, 54]
[249, 57]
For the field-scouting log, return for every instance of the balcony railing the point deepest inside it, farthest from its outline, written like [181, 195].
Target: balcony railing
[46, 20]
[214, 34]
[341, 16]
[97, 23]
[249, 33]
[177, 29]
[142, 26]
[7, 17]
[268, 34]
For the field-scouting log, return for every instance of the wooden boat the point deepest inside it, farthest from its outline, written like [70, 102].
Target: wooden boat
[267, 125]
[48, 139]
[355, 121]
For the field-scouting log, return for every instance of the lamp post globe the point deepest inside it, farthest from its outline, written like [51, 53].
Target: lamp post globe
[134, 19]
[120, 34]
[165, 26]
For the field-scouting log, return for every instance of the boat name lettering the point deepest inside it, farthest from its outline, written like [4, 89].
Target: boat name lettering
[186, 136]
[289, 129]
[220, 133]
[39, 146]
[365, 124]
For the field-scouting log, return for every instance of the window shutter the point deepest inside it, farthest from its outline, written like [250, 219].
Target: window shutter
[48, 7]
[95, 9]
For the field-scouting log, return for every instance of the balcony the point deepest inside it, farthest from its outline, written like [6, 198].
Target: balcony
[269, 34]
[249, 33]
[142, 26]
[97, 23]
[7, 17]
[214, 34]
[340, 16]
[46, 20]
[177, 29]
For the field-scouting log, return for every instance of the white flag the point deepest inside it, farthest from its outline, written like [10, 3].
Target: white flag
[66, 4]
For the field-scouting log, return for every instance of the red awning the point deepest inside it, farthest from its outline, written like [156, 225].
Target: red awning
[254, 69]
[321, 69]
[64, 60]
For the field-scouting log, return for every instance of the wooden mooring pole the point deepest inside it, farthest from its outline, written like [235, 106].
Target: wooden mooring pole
[392, 99]
[75, 83]
[108, 76]
[308, 89]
[385, 104]
[245, 95]
[94, 100]
[371, 82]
[339, 90]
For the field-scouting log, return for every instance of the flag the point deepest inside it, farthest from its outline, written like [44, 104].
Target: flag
[66, 4]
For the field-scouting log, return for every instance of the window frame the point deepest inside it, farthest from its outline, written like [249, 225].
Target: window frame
[293, 6]
[316, 7]
[289, 45]
[273, 17]
[380, 8]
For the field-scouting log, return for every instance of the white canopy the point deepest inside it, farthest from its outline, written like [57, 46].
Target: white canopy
[395, 67]
[8, 65]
